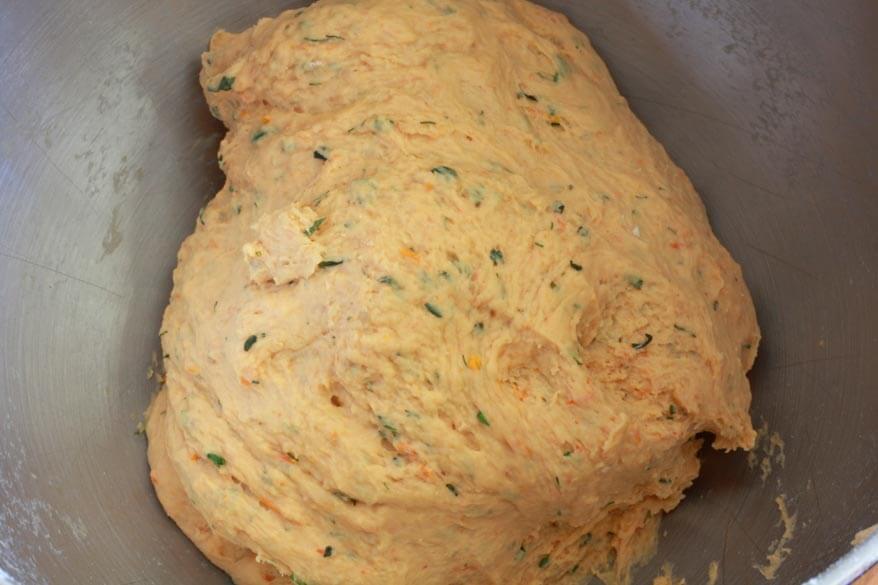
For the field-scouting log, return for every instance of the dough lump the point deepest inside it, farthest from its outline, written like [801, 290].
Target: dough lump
[454, 318]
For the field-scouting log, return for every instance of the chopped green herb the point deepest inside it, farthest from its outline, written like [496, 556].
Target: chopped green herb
[324, 39]
[225, 84]
[452, 489]
[562, 70]
[644, 343]
[201, 216]
[327, 552]
[575, 266]
[544, 561]
[555, 124]
[319, 155]
[684, 330]
[527, 96]
[315, 226]
[390, 281]
[568, 453]
[574, 569]
[482, 418]
[217, 460]
[520, 553]
[258, 135]
[586, 538]
[330, 263]
[672, 410]
[558, 207]
[248, 343]
[557, 482]
[388, 425]
[496, 256]
[428, 122]
[539, 245]
[635, 281]
[582, 231]
[297, 581]
[292, 456]
[479, 327]
[553, 285]
[237, 210]
[747, 345]
[433, 310]
[345, 498]
[664, 480]
[444, 171]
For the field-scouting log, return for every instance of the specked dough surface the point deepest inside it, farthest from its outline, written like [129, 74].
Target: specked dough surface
[455, 317]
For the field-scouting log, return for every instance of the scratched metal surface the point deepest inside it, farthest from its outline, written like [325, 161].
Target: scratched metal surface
[107, 153]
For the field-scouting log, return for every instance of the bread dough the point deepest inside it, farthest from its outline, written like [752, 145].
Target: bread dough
[455, 316]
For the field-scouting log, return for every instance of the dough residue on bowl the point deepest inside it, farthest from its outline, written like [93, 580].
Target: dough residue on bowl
[454, 317]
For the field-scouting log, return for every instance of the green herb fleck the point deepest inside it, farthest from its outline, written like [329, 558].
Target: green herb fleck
[544, 561]
[684, 330]
[258, 135]
[433, 310]
[444, 171]
[428, 122]
[520, 553]
[324, 39]
[496, 256]
[319, 154]
[558, 207]
[315, 226]
[482, 418]
[672, 410]
[568, 453]
[218, 460]
[388, 425]
[586, 538]
[345, 498]
[248, 343]
[539, 245]
[452, 489]
[390, 281]
[575, 266]
[574, 569]
[479, 327]
[582, 231]
[716, 305]
[664, 481]
[225, 84]
[747, 345]
[330, 263]
[635, 281]
[327, 552]
[297, 581]
[644, 343]
[557, 482]
[527, 96]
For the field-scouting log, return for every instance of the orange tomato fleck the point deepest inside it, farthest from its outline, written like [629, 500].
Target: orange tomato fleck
[410, 254]
[268, 505]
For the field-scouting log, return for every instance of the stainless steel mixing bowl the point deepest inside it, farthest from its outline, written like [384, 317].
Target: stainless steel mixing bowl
[107, 151]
